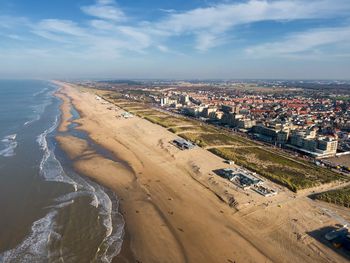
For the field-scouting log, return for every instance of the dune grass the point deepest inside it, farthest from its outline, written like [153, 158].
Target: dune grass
[338, 196]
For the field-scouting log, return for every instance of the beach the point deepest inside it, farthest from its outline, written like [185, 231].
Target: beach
[175, 209]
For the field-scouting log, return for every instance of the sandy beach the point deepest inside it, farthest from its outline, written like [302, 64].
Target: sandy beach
[175, 208]
[65, 111]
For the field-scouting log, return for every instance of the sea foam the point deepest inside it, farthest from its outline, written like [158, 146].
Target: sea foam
[34, 248]
[52, 170]
[112, 243]
[38, 109]
[8, 145]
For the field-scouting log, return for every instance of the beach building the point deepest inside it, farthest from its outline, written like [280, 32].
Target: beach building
[263, 190]
[127, 115]
[239, 177]
[183, 144]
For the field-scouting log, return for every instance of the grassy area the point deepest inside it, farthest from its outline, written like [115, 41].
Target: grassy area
[291, 173]
[134, 108]
[147, 112]
[128, 106]
[214, 139]
[167, 121]
[194, 128]
[338, 196]
[111, 95]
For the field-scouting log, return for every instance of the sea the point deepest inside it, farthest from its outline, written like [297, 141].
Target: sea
[48, 212]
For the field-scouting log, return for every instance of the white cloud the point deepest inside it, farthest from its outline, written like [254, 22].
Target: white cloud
[217, 20]
[102, 25]
[105, 9]
[309, 41]
[64, 31]
[205, 41]
[135, 34]
[102, 39]
[167, 10]
[163, 48]
[61, 26]
[223, 16]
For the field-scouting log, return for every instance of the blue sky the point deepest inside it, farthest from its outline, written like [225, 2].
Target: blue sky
[289, 39]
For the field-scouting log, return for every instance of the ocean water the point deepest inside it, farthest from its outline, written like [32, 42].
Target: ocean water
[48, 212]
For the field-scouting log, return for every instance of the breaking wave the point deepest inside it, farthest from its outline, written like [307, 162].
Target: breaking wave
[52, 170]
[34, 248]
[8, 145]
[38, 109]
[112, 243]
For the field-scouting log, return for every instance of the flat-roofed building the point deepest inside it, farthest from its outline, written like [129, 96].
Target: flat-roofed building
[209, 111]
[328, 145]
[240, 177]
[317, 146]
[183, 144]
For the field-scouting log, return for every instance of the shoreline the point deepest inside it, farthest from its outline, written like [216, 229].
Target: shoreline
[163, 200]
[65, 111]
[125, 255]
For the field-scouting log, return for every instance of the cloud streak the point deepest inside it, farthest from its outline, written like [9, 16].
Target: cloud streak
[308, 41]
[104, 9]
[211, 22]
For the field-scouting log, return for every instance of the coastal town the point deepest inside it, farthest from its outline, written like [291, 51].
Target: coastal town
[309, 122]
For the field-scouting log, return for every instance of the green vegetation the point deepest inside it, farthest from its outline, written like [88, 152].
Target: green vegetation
[146, 112]
[143, 92]
[135, 106]
[294, 174]
[338, 196]
[167, 121]
[116, 96]
[193, 129]
[215, 139]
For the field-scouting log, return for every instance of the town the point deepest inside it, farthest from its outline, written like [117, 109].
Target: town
[309, 121]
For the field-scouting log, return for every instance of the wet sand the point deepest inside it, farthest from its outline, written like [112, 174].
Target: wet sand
[175, 209]
[65, 111]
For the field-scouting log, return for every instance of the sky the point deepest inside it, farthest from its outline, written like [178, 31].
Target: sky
[177, 39]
